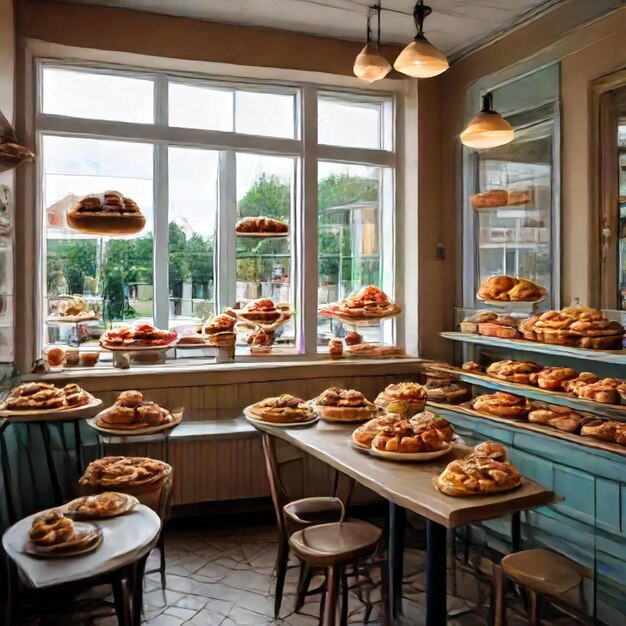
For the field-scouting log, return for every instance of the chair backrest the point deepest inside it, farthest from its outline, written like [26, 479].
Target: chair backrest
[277, 489]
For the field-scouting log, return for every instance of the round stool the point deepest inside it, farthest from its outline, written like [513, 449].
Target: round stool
[333, 547]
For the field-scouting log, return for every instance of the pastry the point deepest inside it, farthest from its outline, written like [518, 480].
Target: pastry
[520, 197]
[470, 324]
[140, 334]
[497, 288]
[403, 409]
[584, 378]
[107, 213]
[51, 528]
[605, 430]
[102, 505]
[501, 404]
[123, 471]
[412, 393]
[352, 338]
[131, 412]
[407, 437]
[489, 199]
[261, 310]
[367, 302]
[527, 328]
[521, 372]
[365, 434]
[477, 475]
[526, 291]
[282, 409]
[493, 450]
[45, 396]
[472, 366]
[503, 326]
[335, 348]
[427, 419]
[261, 340]
[261, 226]
[344, 404]
[559, 417]
[447, 392]
[554, 378]
[219, 330]
[603, 391]
[374, 350]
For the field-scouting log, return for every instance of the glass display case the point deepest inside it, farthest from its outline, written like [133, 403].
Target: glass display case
[513, 209]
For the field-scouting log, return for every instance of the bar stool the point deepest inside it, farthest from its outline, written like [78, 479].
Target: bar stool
[333, 547]
[292, 516]
[542, 573]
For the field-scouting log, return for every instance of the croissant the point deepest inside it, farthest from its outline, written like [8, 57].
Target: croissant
[497, 288]
[526, 290]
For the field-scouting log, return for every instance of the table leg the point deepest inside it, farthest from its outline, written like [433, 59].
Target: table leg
[436, 587]
[54, 479]
[516, 531]
[397, 524]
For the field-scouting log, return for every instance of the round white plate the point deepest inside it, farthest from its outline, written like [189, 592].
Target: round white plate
[168, 346]
[60, 551]
[44, 414]
[410, 456]
[254, 420]
[148, 430]
[510, 302]
[356, 446]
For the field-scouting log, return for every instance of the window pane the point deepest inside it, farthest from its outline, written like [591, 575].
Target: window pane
[114, 275]
[265, 188]
[267, 114]
[192, 217]
[98, 96]
[200, 107]
[349, 240]
[349, 123]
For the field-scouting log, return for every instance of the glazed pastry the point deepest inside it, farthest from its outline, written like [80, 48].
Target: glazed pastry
[427, 420]
[584, 378]
[470, 324]
[409, 438]
[282, 409]
[335, 348]
[261, 310]
[503, 326]
[497, 288]
[448, 392]
[123, 471]
[603, 391]
[501, 404]
[101, 505]
[51, 528]
[527, 328]
[526, 291]
[261, 225]
[344, 404]
[108, 212]
[472, 366]
[131, 412]
[130, 399]
[219, 330]
[367, 302]
[605, 430]
[365, 434]
[554, 378]
[140, 334]
[353, 338]
[412, 393]
[559, 417]
[493, 198]
[521, 372]
[493, 450]
[477, 475]
[37, 396]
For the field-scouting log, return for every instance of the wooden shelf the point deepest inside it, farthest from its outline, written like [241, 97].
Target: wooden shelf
[615, 357]
[535, 393]
[447, 410]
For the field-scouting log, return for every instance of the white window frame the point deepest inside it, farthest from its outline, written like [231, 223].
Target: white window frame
[304, 241]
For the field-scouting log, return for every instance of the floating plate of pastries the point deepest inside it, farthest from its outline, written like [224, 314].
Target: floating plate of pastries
[490, 324]
[411, 393]
[108, 213]
[502, 289]
[343, 405]
[444, 386]
[71, 310]
[131, 414]
[482, 472]
[139, 336]
[123, 472]
[261, 227]
[284, 411]
[367, 304]
[38, 399]
[99, 506]
[501, 198]
[219, 330]
[374, 351]
[53, 535]
[422, 438]
[500, 404]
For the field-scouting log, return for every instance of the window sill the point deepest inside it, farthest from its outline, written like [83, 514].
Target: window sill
[190, 372]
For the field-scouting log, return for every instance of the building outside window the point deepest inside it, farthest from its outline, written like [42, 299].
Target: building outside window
[197, 154]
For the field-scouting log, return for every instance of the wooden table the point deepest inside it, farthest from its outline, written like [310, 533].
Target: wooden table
[409, 486]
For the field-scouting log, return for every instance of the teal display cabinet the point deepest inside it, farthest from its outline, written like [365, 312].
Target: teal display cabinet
[588, 521]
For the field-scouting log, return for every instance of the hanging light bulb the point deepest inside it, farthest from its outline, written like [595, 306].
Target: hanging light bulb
[487, 129]
[369, 64]
[420, 59]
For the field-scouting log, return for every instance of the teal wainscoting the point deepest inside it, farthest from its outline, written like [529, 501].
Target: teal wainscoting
[587, 523]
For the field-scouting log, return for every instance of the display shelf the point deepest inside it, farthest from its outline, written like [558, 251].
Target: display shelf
[535, 393]
[449, 411]
[615, 357]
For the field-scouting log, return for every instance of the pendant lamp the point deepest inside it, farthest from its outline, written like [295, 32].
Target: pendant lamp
[487, 129]
[420, 59]
[369, 64]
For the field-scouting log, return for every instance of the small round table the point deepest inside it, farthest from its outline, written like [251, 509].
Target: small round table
[127, 541]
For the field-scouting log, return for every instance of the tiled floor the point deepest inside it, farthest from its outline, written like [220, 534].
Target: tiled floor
[225, 578]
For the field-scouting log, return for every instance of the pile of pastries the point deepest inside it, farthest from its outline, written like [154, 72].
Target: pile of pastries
[510, 289]
[484, 471]
[52, 531]
[501, 197]
[444, 386]
[39, 396]
[131, 411]
[337, 404]
[100, 505]
[139, 335]
[121, 472]
[261, 226]
[411, 393]
[106, 213]
[284, 409]
[491, 324]
[502, 404]
[219, 330]
[425, 432]
[367, 303]
[73, 308]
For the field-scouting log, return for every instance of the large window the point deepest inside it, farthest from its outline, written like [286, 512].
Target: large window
[197, 155]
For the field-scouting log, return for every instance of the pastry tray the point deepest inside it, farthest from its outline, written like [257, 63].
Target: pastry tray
[75, 412]
[177, 415]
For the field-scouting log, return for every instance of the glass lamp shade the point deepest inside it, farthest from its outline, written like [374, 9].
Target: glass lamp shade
[487, 129]
[370, 65]
[420, 59]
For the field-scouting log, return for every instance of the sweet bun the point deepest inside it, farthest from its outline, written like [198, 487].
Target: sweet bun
[130, 398]
[501, 404]
[51, 528]
[109, 213]
[493, 450]
[554, 378]
[497, 288]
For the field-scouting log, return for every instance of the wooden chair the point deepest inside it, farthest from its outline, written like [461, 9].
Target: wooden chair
[543, 574]
[333, 547]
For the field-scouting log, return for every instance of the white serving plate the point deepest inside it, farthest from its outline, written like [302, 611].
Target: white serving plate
[44, 414]
[57, 552]
[254, 420]
[168, 346]
[148, 430]
[410, 456]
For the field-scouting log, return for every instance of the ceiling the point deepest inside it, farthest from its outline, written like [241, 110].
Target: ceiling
[454, 26]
